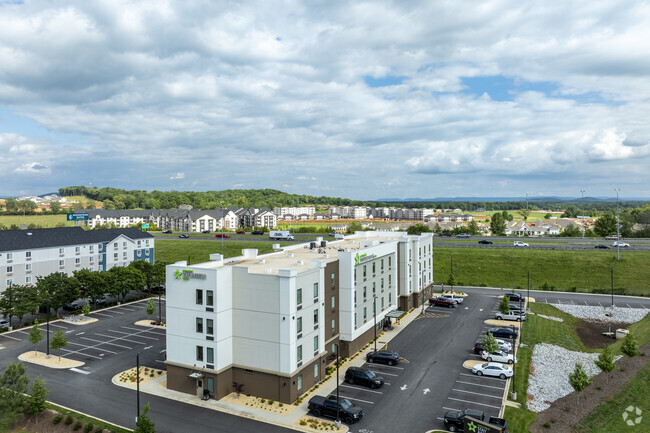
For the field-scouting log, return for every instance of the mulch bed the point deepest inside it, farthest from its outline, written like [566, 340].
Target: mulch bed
[567, 412]
[591, 332]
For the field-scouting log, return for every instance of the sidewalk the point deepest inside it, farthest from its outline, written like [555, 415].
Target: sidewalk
[290, 420]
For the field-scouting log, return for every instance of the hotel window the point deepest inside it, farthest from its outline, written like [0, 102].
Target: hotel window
[209, 298]
[316, 343]
[382, 284]
[209, 326]
[199, 353]
[61, 250]
[373, 288]
[299, 381]
[77, 249]
[364, 271]
[61, 262]
[382, 264]
[355, 276]
[299, 353]
[124, 255]
[355, 320]
[10, 269]
[364, 293]
[139, 244]
[91, 269]
[299, 297]
[146, 252]
[10, 281]
[115, 245]
[211, 357]
[115, 256]
[364, 314]
[77, 260]
[382, 302]
[10, 256]
[315, 317]
[389, 261]
[373, 267]
[147, 242]
[333, 278]
[333, 301]
[199, 324]
[333, 325]
[28, 254]
[315, 370]
[389, 280]
[28, 279]
[199, 297]
[390, 296]
[299, 325]
[315, 291]
[124, 244]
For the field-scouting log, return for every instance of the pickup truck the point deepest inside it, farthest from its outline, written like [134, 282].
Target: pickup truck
[492, 425]
[349, 413]
[443, 302]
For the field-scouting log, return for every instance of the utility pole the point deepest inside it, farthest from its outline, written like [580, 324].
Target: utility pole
[526, 201]
[582, 191]
[374, 315]
[338, 417]
[611, 270]
[618, 231]
[137, 379]
[223, 223]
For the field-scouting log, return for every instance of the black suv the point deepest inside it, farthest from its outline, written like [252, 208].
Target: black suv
[257, 232]
[384, 356]
[360, 376]
[454, 418]
[514, 297]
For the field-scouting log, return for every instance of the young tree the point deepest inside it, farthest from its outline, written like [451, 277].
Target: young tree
[37, 398]
[579, 379]
[13, 385]
[145, 424]
[605, 225]
[504, 305]
[606, 361]
[498, 224]
[630, 347]
[35, 336]
[86, 309]
[59, 341]
[151, 307]
[416, 229]
[472, 228]
[490, 343]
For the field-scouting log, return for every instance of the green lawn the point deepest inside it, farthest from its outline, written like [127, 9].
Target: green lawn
[41, 220]
[585, 270]
[174, 250]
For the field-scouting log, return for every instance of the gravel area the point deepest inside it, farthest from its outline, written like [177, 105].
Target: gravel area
[616, 314]
[549, 373]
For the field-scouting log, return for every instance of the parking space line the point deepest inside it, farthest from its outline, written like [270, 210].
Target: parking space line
[360, 389]
[586, 303]
[476, 393]
[473, 402]
[140, 330]
[91, 347]
[118, 312]
[600, 304]
[451, 408]
[101, 314]
[120, 338]
[478, 384]
[12, 338]
[56, 325]
[127, 309]
[129, 333]
[104, 342]
[386, 366]
[358, 399]
[78, 352]
[628, 305]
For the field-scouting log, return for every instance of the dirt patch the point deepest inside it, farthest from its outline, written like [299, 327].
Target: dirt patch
[43, 424]
[591, 332]
[565, 414]
[259, 403]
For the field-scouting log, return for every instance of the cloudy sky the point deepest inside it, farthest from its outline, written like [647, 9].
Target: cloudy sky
[357, 99]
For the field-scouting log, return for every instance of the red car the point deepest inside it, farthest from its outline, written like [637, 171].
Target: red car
[443, 302]
[219, 235]
[241, 232]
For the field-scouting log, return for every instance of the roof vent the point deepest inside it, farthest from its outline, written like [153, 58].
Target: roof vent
[291, 254]
[262, 261]
[300, 262]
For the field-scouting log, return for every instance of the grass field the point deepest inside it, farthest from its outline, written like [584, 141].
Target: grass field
[41, 220]
[169, 251]
[586, 271]
[531, 216]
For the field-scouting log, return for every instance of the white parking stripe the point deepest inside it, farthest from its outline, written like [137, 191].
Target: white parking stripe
[451, 408]
[478, 384]
[586, 303]
[140, 330]
[91, 347]
[360, 388]
[476, 393]
[101, 314]
[385, 366]
[127, 309]
[358, 399]
[473, 402]
[387, 374]
[600, 304]
[120, 338]
[12, 338]
[628, 305]
[104, 342]
[118, 312]
[129, 333]
[80, 353]
[56, 325]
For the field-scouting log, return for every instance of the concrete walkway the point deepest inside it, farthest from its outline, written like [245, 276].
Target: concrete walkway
[290, 420]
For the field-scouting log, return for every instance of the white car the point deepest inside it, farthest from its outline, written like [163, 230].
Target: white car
[498, 356]
[4, 323]
[620, 244]
[518, 316]
[492, 369]
[520, 244]
[458, 299]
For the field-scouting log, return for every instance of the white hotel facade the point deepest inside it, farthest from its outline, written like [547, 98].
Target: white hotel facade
[268, 324]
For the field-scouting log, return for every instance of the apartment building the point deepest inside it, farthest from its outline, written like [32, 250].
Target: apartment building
[285, 212]
[28, 254]
[270, 323]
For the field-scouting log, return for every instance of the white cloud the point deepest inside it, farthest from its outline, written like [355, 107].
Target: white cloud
[177, 176]
[33, 168]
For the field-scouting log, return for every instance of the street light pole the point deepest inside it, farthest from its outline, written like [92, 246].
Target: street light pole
[374, 315]
[612, 278]
[223, 223]
[159, 309]
[618, 232]
[47, 330]
[338, 417]
[582, 192]
[528, 296]
[137, 369]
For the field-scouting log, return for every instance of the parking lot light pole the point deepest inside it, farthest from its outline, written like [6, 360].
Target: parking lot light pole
[528, 295]
[159, 309]
[47, 328]
[223, 223]
[338, 417]
[137, 369]
[618, 231]
[374, 315]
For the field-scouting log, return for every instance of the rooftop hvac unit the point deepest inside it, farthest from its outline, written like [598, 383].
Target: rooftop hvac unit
[323, 244]
[312, 245]
[290, 254]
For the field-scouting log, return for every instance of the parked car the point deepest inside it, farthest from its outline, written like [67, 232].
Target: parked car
[443, 302]
[257, 232]
[518, 316]
[452, 297]
[205, 232]
[462, 235]
[241, 232]
[514, 297]
[328, 407]
[485, 242]
[184, 236]
[503, 346]
[167, 232]
[514, 306]
[384, 356]
[498, 356]
[503, 332]
[4, 323]
[492, 369]
[362, 376]
[77, 305]
[221, 235]
[620, 244]
[454, 419]
[520, 244]
[602, 247]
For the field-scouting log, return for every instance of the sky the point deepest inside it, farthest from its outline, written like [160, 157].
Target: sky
[364, 100]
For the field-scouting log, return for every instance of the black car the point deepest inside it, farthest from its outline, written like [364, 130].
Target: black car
[257, 232]
[478, 347]
[383, 356]
[602, 247]
[329, 407]
[167, 232]
[514, 306]
[503, 332]
[484, 242]
[454, 419]
[184, 236]
[514, 297]
[444, 235]
[361, 376]
[205, 232]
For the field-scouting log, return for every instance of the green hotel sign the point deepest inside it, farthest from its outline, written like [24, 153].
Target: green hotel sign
[362, 258]
[188, 274]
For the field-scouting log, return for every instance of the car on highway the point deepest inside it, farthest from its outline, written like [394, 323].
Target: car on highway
[492, 369]
[602, 247]
[620, 244]
[383, 356]
[444, 235]
[452, 297]
[520, 244]
[167, 232]
[462, 235]
[454, 419]
[241, 232]
[443, 302]
[485, 242]
[363, 376]
[514, 297]
[205, 232]
[498, 356]
[257, 232]
[183, 236]
[330, 407]
[221, 235]
[517, 316]
[504, 346]
[612, 238]
[503, 332]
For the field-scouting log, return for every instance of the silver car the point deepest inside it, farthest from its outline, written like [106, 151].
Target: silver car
[492, 369]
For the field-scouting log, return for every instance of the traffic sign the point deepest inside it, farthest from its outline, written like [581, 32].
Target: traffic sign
[77, 217]
[145, 226]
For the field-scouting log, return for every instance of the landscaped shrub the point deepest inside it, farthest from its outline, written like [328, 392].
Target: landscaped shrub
[99, 429]
[57, 419]
[68, 420]
[77, 425]
[88, 428]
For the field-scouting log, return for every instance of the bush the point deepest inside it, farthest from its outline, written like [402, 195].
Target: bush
[77, 425]
[99, 429]
[57, 419]
[630, 347]
[547, 425]
[68, 420]
[88, 428]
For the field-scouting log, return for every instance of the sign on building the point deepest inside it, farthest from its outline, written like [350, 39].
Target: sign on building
[77, 217]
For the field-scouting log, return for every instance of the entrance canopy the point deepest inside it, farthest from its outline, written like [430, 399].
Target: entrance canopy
[395, 314]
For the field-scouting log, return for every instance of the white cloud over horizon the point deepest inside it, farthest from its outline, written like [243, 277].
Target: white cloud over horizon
[361, 100]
